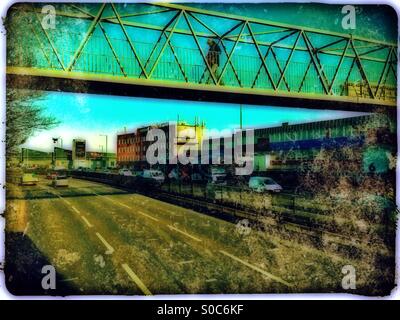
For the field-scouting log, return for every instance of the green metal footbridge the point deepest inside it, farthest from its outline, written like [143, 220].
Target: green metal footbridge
[160, 50]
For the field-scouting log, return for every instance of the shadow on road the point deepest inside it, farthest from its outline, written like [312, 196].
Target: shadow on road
[23, 268]
[32, 194]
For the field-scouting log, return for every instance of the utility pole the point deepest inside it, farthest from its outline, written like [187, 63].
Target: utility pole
[241, 116]
[106, 156]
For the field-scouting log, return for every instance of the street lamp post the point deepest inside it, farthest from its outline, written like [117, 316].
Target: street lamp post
[106, 156]
[55, 140]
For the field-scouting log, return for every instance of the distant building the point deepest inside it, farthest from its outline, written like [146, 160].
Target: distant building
[97, 160]
[62, 158]
[79, 153]
[287, 146]
[68, 159]
[127, 148]
[132, 147]
[36, 159]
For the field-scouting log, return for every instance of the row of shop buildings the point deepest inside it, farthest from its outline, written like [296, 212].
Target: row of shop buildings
[283, 147]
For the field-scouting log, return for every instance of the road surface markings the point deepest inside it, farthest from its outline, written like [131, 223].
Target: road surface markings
[140, 212]
[110, 250]
[113, 201]
[265, 273]
[147, 215]
[136, 280]
[185, 233]
[70, 279]
[124, 205]
[75, 209]
[66, 201]
[55, 194]
[86, 221]
[186, 262]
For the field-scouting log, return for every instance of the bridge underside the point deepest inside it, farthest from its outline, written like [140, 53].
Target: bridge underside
[21, 78]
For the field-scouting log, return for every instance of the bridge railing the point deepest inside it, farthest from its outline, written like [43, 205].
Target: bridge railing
[103, 62]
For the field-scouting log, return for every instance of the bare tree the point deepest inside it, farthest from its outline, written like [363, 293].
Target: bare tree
[25, 112]
[24, 116]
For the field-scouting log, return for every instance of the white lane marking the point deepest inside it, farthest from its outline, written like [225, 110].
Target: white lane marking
[126, 206]
[166, 211]
[185, 233]
[110, 250]
[186, 262]
[56, 194]
[86, 221]
[70, 279]
[265, 273]
[113, 201]
[75, 209]
[146, 215]
[136, 280]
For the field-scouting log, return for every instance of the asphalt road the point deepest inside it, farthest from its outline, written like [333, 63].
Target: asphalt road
[103, 240]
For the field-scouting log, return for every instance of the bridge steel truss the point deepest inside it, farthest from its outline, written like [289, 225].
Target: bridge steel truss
[275, 62]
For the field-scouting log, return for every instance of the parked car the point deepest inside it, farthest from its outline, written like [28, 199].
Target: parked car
[29, 179]
[51, 174]
[152, 176]
[216, 175]
[264, 184]
[82, 169]
[196, 177]
[60, 181]
[173, 174]
[125, 172]
[54, 173]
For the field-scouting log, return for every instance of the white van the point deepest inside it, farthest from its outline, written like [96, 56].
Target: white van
[263, 184]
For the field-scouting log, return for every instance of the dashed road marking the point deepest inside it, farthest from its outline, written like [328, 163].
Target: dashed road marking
[265, 273]
[147, 215]
[136, 280]
[110, 250]
[128, 207]
[185, 233]
[186, 262]
[86, 221]
[75, 209]
[124, 205]
[69, 279]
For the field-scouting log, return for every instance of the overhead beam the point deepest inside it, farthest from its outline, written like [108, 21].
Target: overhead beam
[51, 80]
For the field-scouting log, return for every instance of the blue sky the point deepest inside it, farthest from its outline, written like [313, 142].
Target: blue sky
[88, 116]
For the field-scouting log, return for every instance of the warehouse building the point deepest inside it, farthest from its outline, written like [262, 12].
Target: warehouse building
[287, 146]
